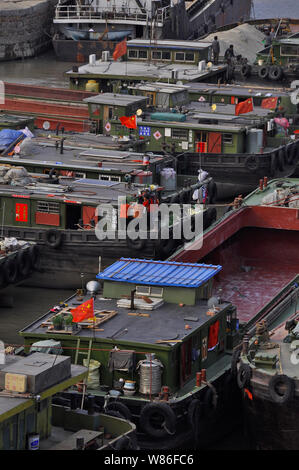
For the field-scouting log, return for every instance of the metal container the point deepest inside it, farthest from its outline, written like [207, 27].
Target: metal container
[254, 141]
[150, 371]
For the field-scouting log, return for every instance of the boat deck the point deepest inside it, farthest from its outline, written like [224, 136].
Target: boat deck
[164, 323]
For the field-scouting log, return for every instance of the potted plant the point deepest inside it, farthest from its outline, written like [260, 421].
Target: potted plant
[68, 319]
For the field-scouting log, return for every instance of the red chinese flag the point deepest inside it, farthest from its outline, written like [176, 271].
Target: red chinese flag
[120, 49]
[129, 122]
[83, 311]
[213, 335]
[244, 107]
[269, 103]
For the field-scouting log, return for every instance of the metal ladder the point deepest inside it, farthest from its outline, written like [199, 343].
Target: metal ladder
[83, 353]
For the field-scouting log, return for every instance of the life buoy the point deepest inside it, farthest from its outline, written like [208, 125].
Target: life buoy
[263, 71]
[53, 238]
[281, 159]
[286, 393]
[10, 268]
[246, 70]
[244, 375]
[34, 256]
[273, 164]
[252, 163]
[52, 173]
[158, 420]
[275, 72]
[23, 262]
[120, 408]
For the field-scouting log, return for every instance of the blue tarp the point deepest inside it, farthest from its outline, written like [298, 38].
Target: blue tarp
[8, 136]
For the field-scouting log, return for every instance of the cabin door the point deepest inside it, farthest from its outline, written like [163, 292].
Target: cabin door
[186, 360]
[200, 142]
[73, 216]
[214, 142]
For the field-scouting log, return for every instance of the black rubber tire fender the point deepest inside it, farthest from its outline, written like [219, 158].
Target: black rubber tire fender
[209, 217]
[23, 262]
[167, 414]
[289, 384]
[115, 414]
[281, 158]
[263, 71]
[174, 199]
[3, 282]
[244, 375]
[10, 270]
[234, 362]
[195, 411]
[184, 196]
[53, 238]
[165, 247]
[246, 70]
[34, 256]
[137, 244]
[291, 154]
[212, 192]
[252, 162]
[275, 72]
[125, 443]
[210, 399]
[273, 163]
[120, 408]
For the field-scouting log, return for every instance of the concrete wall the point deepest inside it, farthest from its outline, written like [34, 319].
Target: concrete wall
[25, 28]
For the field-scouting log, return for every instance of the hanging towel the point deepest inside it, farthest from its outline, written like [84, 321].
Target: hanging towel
[213, 335]
[121, 360]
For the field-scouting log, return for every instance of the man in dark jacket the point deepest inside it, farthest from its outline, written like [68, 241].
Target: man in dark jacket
[216, 50]
[229, 54]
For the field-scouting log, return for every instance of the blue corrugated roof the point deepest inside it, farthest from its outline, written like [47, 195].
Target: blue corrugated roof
[159, 273]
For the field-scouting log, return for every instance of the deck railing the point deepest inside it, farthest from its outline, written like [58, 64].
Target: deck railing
[74, 12]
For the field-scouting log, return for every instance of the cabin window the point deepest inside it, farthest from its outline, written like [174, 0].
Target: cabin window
[47, 207]
[289, 50]
[227, 138]
[109, 178]
[47, 213]
[132, 54]
[142, 54]
[179, 56]
[189, 57]
[156, 55]
[166, 55]
[110, 113]
[78, 174]
[150, 291]
[179, 134]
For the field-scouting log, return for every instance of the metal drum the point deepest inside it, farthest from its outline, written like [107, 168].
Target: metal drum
[150, 371]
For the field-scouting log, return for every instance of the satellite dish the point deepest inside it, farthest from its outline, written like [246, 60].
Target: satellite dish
[295, 96]
[214, 107]
[93, 287]
[46, 125]
[139, 112]
[179, 82]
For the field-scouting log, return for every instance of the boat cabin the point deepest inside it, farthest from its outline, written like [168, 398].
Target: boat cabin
[163, 309]
[162, 95]
[169, 51]
[284, 52]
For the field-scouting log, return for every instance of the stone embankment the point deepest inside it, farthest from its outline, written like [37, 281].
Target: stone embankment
[25, 27]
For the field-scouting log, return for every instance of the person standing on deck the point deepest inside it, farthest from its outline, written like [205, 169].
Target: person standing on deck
[229, 54]
[216, 50]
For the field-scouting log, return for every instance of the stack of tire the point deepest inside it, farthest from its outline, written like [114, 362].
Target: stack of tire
[18, 266]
